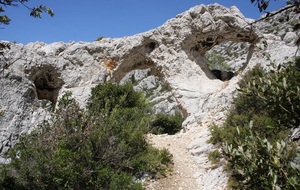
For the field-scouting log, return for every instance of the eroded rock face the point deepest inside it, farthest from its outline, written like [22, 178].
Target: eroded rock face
[175, 52]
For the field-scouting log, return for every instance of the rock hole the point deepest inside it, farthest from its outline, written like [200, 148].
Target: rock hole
[239, 36]
[296, 26]
[48, 83]
[193, 15]
[210, 39]
[226, 58]
[222, 75]
[150, 47]
[206, 44]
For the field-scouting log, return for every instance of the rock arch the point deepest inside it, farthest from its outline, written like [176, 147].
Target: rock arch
[176, 50]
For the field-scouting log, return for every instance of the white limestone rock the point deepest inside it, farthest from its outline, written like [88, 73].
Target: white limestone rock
[147, 84]
[290, 38]
[175, 52]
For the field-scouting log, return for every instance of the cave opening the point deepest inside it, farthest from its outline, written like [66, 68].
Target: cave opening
[48, 83]
[150, 47]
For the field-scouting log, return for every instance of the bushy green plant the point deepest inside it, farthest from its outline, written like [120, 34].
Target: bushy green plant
[222, 134]
[257, 164]
[87, 149]
[270, 102]
[149, 72]
[105, 97]
[164, 123]
[164, 88]
[132, 79]
[247, 108]
[214, 156]
[279, 91]
[99, 38]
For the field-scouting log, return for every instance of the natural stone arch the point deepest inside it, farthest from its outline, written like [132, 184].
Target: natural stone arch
[208, 26]
[176, 50]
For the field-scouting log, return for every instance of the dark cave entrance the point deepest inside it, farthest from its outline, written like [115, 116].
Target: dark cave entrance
[223, 75]
[48, 83]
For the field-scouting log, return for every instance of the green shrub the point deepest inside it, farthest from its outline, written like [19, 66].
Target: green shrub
[243, 45]
[297, 62]
[164, 88]
[270, 31]
[265, 101]
[99, 38]
[279, 92]
[246, 108]
[105, 97]
[257, 164]
[149, 72]
[214, 156]
[132, 79]
[222, 134]
[80, 149]
[271, 103]
[164, 123]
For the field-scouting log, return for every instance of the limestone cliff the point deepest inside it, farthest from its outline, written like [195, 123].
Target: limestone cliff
[175, 52]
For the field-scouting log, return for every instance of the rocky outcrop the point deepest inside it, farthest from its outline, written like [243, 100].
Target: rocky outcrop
[175, 52]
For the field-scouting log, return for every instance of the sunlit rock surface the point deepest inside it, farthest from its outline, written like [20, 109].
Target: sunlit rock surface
[34, 75]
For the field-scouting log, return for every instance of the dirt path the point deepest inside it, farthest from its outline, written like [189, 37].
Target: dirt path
[188, 172]
[183, 173]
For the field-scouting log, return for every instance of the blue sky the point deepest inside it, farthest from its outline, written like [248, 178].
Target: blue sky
[86, 20]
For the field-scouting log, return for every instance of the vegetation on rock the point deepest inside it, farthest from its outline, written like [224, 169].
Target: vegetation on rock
[216, 61]
[99, 38]
[169, 124]
[262, 5]
[102, 147]
[254, 135]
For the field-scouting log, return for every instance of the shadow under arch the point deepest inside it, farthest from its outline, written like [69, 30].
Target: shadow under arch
[139, 58]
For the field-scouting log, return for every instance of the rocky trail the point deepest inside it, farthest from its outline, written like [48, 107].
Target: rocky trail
[191, 168]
